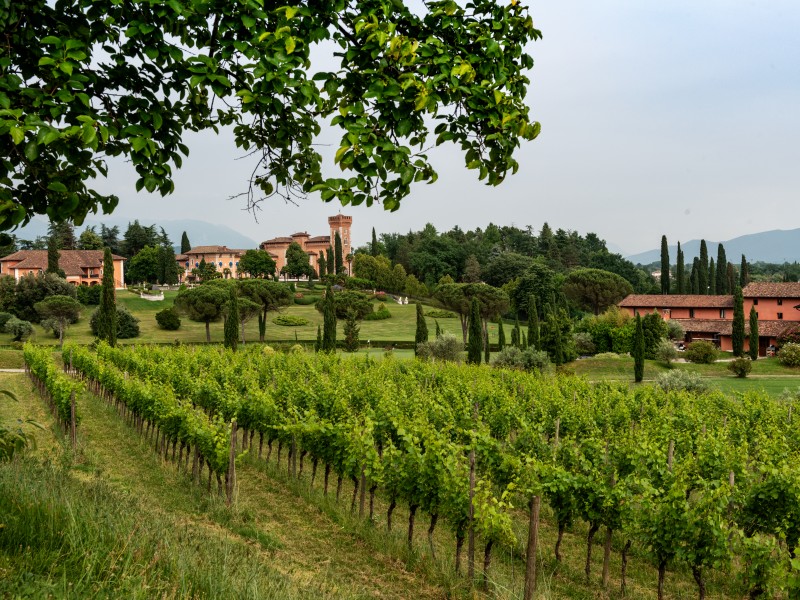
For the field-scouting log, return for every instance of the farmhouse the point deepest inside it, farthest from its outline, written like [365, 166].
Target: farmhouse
[82, 267]
[224, 259]
[711, 317]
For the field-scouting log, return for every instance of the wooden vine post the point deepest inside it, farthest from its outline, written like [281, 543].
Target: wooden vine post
[231, 479]
[533, 543]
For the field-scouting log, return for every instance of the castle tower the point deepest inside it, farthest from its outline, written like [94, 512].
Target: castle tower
[341, 224]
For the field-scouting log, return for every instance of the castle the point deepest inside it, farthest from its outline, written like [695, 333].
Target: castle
[313, 246]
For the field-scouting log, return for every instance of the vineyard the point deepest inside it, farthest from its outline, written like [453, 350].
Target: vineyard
[692, 483]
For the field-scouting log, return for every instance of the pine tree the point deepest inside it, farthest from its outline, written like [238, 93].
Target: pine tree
[318, 343]
[231, 329]
[638, 351]
[107, 312]
[737, 333]
[753, 339]
[338, 256]
[185, 245]
[664, 265]
[712, 278]
[53, 256]
[64, 232]
[501, 335]
[374, 247]
[328, 321]
[421, 335]
[475, 339]
[702, 273]
[722, 271]
[744, 273]
[680, 272]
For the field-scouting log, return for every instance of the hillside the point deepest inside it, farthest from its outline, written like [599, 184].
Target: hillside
[776, 246]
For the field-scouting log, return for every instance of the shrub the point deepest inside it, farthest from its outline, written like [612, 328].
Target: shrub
[609, 355]
[535, 360]
[741, 366]
[789, 355]
[583, 343]
[675, 330]
[357, 283]
[4, 318]
[89, 295]
[127, 324]
[666, 352]
[168, 319]
[380, 296]
[790, 336]
[290, 321]
[268, 351]
[445, 347]
[20, 330]
[380, 314]
[297, 349]
[680, 380]
[51, 325]
[701, 352]
[529, 359]
[346, 301]
[441, 314]
[306, 300]
[509, 357]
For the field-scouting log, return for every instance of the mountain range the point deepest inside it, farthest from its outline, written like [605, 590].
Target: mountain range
[201, 233]
[776, 246]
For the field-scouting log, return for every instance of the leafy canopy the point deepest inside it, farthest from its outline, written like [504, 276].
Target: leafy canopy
[88, 79]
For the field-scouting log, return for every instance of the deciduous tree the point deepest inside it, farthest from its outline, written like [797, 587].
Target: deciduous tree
[63, 310]
[257, 263]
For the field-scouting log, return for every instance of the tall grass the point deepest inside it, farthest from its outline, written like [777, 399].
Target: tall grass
[61, 537]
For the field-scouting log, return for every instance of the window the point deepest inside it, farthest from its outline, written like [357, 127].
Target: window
[721, 313]
[691, 313]
[780, 301]
[780, 315]
[755, 301]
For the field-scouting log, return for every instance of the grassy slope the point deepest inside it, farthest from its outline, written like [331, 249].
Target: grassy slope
[283, 538]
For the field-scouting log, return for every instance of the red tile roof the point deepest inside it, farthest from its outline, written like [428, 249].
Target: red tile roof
[318, 239]
[676, 301]
[763, 289]
[278, 240]
[215, 250]
[300, 234]
[72, 262]
[725, 327]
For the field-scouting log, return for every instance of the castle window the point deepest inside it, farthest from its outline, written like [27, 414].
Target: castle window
[691, 313]
[780, 315]
[721, 313]
[780, 301]
[755, 301]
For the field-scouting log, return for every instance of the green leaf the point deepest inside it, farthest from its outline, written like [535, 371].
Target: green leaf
[17, 135]
[31, 150]
[290, 45]
[57, 186]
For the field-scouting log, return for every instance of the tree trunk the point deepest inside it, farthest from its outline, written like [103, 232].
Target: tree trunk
[487, 559]
[269, 449]
[607, 555]
[624, 583]
[561, 528]
[533, 543]
[338, 487]
[459, 547]
[363, 497]
[662, 569]
[355, 495]
[208, 332]
[260, 443]
[372, 501]
[697, 573]
[314, 470]
[590, 538]
[434, 518]
[412, 511]
[389, 512]
[327, 474]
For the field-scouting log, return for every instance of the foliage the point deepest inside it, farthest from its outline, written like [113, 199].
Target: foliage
[15, 440]
[441, 314]
[529, 359]
[329, 320]
[290, 321]
[127, 325]
[584, 345]
[675, 330]
[681, 380]
[753, 333]
[351, 330]
[297, 262]
[61, 309]
[655, 330]
[231, 327]
[306, 300]
[594, 289]
[89, 295]
[446, 347]
[4, 318]
[701, 352]
[741, 366]
[664, 265]
[666, 352]
[638, 350]
[185, 243]
[206, 271]
[203, 304]
[789, 354]
[421, 333]
[257, 263]
[475, 340]
[168, 319]
[379, 315]
[737, 333]
[789, 335]
[107, 312]
[611, 332]
[348, 300]
[35, 288]
[269, 295]
[20, 330]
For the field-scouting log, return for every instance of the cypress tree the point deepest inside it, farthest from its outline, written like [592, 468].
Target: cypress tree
[638, 351]
[351, 331]
[475, 339]
[730, 272]
[422, 328]
[323, 268]
[722, 271]
[680, 272]
[328, 321]
[338, 256]
[702, 272]
[744, 273]
[107, 311]
[329, 261]
[501, 334]
[524, 343]
[753, 339]
[318, 343]
[487, 353]
[185, 245]
[533, 323]
[664, 265]
[694, 277]
[53, 255]
[231, 328]
[374, 247]
[438, 329]
[712, 278]
[516, 338]
[737, 333]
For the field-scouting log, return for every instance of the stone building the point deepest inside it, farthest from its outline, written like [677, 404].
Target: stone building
[313, 245]
[81, 267]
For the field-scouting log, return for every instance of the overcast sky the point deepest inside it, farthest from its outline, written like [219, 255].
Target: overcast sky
[679, 118]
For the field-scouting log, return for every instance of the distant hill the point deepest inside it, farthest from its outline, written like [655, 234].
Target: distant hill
[201, 233]
[777, 246]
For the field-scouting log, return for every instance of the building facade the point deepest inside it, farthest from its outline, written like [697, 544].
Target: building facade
[711, 317]
[224, 259]
[314, 246]
[81, 267]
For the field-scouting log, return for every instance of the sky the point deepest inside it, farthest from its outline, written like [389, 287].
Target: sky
[677, 118]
